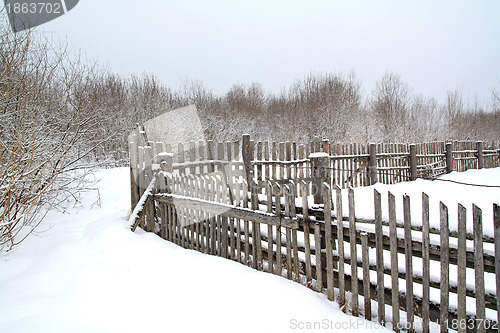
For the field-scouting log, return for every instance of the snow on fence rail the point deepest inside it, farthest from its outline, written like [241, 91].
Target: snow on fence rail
[262, 210]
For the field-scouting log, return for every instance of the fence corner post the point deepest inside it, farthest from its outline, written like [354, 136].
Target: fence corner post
[320, 174]
[449, 157]
[480, 156]
[134, 178]
[245, 153]
[413, 162]
[373, 163]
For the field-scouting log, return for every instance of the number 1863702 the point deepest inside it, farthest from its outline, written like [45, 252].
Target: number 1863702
[471, 323]
[34, 8]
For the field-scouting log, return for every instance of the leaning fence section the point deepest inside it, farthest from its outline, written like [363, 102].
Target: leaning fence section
[278, 207]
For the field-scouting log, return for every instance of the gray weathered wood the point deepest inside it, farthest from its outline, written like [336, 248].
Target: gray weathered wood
[320, 174]
[413, 162]
[288, 233]
[239, 189]
[354, 256]
[295, 248]
[340, 241]
[270, 241]
[394, 260]
[373, 163]
[496, 223]
[134, 184]
[449, 157]
[461, 263]
[327, 199]
[317, 254]
[380, 256]
[425, 263]
[477, 220]
[445, 267]
[480, 155]
[366, 275]
[408, 262]
[307, 240]
[279, 266]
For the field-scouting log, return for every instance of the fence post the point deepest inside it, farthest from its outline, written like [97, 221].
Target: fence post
[373, 163]
[480, 156]
[134, 186]
[449, 157]
[320, 174]
[413, 162]
[245, 153]
[496, 223]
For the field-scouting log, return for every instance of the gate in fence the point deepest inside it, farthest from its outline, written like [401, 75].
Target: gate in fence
[279, 208]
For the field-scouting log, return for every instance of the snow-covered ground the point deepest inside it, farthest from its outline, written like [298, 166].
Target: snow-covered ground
[84, 271]
[450, 193]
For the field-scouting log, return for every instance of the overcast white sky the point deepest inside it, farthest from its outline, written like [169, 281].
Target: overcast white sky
[435, 46]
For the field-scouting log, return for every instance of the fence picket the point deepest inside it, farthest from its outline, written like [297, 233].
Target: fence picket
[408, 262]
[379, 245]
[270, 241]
[394, 261]
[477, 221]
[445, 268]
[340, 242]
[461, 269]
[425, 263]
[354, 256]
[307, 240]
[366, 276]
[327, 199]
[496, 225]
[317, 256]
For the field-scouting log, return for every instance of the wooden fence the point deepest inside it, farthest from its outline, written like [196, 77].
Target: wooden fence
[349, 165]
[209, 198]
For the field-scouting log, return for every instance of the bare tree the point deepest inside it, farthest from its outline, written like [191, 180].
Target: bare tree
[389, 103]
[41, 126]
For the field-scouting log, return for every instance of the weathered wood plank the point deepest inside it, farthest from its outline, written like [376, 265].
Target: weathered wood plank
[366, 276]
[307, 240]
[394, 260]
[217, 208]
[327, 199]
[352, 236]
[425, 263]
[288, 234]
[317, 254]
[340, 242]
[496, 224]
[461, 269]
[379, 246]
[408, 262]
[445, 267]
[279, 266]
[477, 220]
[270, 240]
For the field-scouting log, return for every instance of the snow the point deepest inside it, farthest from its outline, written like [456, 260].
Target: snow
[85, 271]
[317, 155]
[451, 194]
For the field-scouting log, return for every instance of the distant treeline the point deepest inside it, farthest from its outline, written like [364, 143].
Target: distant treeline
[326, 105]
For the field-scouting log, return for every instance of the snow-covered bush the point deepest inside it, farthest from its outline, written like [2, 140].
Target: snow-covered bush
[41, 127]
